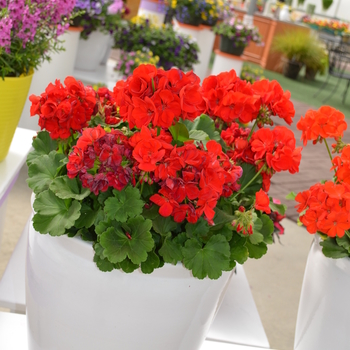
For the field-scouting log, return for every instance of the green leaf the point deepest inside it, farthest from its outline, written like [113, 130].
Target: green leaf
[43, 170]
[64, 187]
[151, 263]
[54, 215]
[256, 251]
[164, 225]
[103, 264]
[134, 244]
[209, 260]
[344, 242]
[331, 249]
[128, 266]
[42, 144]
[226, 231]
[239, 252]
[280, 208]
[151, 213]
[87, 216]
[171, 251]
[199, 229]
[256, 237]
[249, 172]
[204, 123]
[199, 135]
[221, 217]
[267, 228]
[291, 195]
[124, 204]
[179, 132]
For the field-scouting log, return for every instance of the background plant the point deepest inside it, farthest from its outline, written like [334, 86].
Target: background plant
[172, 48]
[295, 45]
[128, 61]
[252, 74]
[29, 33]
[239, 33]
[101, 15]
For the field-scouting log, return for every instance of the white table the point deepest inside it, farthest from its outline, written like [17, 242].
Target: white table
[9, 170]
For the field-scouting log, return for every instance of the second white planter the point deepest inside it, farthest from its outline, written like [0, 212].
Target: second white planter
[323, 310]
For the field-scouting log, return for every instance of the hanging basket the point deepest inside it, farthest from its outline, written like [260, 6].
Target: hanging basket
[226, 45]
[71, 304]
[13, 94]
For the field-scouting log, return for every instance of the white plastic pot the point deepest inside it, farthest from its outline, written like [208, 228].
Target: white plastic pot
[323, 313]
[72, 305]
[92, 51]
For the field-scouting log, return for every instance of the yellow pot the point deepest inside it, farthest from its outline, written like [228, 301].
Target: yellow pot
[13, 94]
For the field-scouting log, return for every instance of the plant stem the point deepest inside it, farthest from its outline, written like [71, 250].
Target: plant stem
[251, 131]
[252, 180]
[329, 152]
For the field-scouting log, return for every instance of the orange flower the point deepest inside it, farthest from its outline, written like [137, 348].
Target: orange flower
[323, 123]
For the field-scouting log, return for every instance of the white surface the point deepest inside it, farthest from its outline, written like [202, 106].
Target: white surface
[13, 336]
[323, 309]
[238, 320]
[11, 165]
[225, 64]
[205, 39]
[65, 291]
[13, 331]
[104, 74]
[60, 66]
[12, 283]
[91, 51]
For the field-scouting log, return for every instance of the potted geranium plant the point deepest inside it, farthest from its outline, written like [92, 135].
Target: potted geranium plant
[29, 34]
[324, 211]
[235, 36]
[172, 48]
[168, 189]
[99, 20]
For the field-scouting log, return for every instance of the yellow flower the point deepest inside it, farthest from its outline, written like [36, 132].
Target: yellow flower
[173, 3]
[150, 53]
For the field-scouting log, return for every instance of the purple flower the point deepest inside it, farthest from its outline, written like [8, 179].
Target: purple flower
[116, 7]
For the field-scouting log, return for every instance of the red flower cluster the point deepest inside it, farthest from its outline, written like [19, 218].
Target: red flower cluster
[273, 150]
[231, 99]
[62, 109]
[342, 165]
[101, 160]
[191, 179]
[324, 123]
[204, 178]
[325, 208]
[157, 97]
